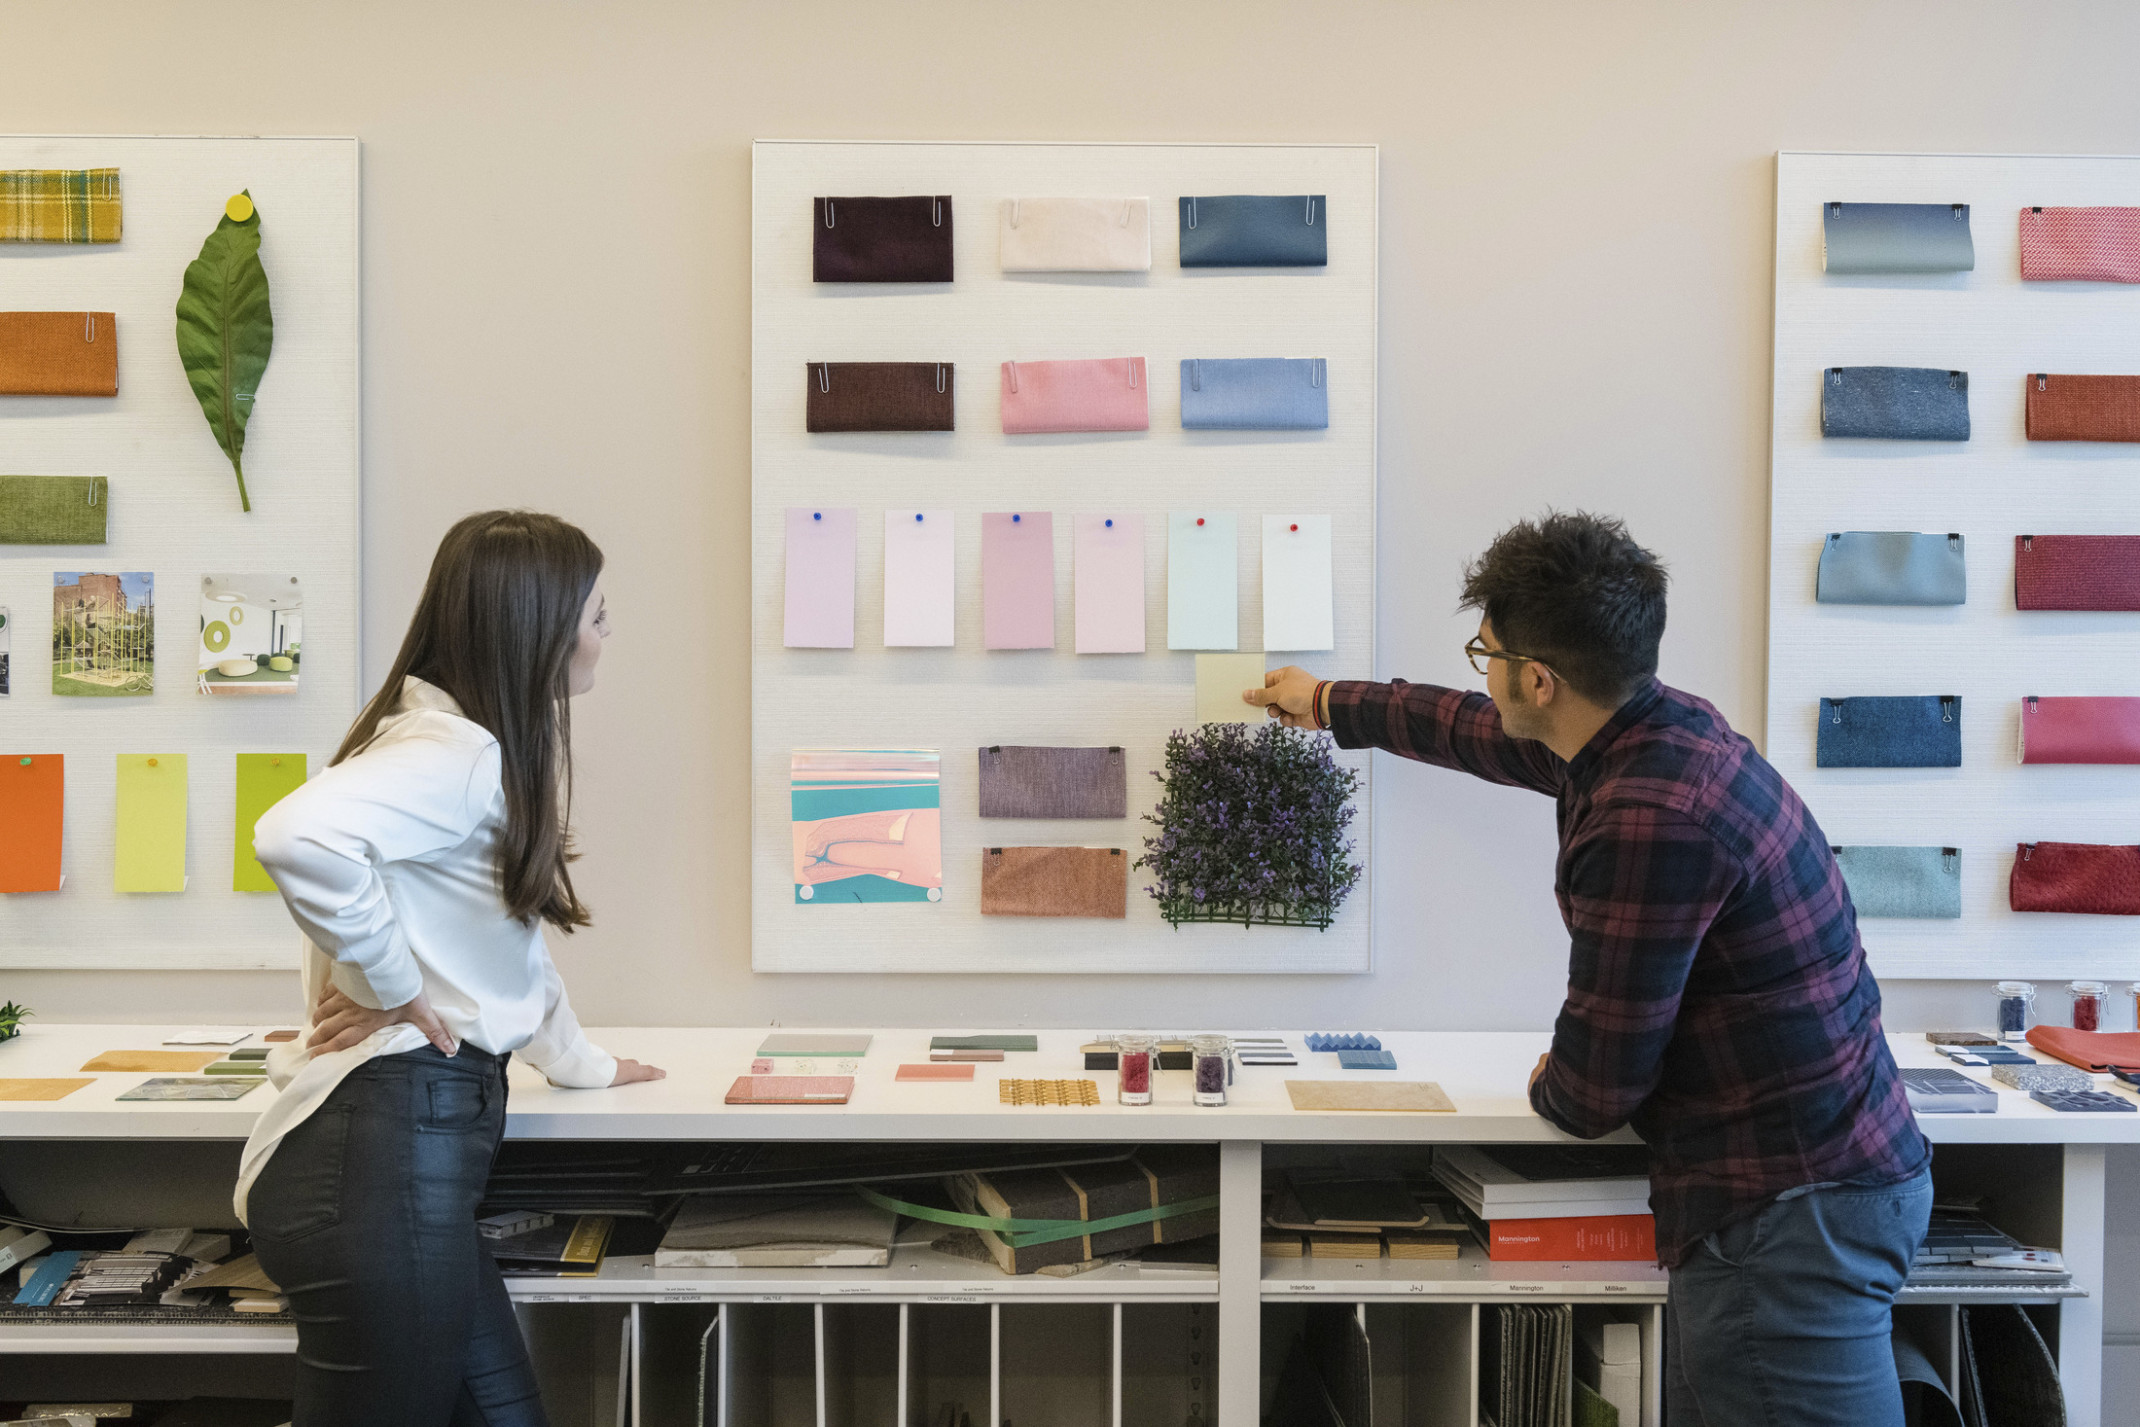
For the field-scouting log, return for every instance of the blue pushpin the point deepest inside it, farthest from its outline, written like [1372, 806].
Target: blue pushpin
[817, 515]
[917, 515]
[1016, 518]
[1110, 523]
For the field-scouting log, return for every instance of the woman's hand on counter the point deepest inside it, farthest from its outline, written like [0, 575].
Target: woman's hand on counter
[631, 1072]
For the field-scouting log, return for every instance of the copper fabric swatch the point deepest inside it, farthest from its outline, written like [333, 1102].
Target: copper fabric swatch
[59, 354]
[1027, 782]
[2090, 408]
[2098, 572]
[2074, 877]
[879, 396]
[881, 239]
[1054, 882]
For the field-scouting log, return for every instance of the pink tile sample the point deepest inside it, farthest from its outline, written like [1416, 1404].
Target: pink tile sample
[1018, 580]
[820, 579]
[1109, 570]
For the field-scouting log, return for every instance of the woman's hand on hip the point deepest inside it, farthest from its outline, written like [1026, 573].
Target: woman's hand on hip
[339, 1023]
[631, 1072]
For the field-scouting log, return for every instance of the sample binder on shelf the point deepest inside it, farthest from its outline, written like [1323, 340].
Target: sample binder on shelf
[1547, 1181]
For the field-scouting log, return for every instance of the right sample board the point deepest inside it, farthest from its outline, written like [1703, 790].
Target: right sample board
[1954, 551]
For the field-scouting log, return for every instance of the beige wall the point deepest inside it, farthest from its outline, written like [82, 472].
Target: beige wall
[1575, 307]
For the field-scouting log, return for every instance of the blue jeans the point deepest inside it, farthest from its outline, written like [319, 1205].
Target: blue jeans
[365, 1216]
[1784, 1317]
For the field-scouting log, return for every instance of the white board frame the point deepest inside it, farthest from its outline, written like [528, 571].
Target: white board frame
[962, 698]
[1991, 488]
[175, 512]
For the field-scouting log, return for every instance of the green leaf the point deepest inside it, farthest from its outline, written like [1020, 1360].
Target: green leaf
[226, 331]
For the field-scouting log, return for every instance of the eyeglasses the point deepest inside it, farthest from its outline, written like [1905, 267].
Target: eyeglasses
[1478, 653]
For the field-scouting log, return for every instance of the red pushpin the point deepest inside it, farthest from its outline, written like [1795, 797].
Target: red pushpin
[1200, 520]
[1292, 527]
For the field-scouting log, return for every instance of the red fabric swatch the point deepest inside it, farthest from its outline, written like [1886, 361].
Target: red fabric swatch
[2103, 878]
[2077, 572]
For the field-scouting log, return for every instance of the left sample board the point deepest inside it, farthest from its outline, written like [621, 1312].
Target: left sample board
[167, 508]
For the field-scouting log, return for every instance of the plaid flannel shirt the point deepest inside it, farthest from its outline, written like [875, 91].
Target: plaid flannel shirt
[1718, 998]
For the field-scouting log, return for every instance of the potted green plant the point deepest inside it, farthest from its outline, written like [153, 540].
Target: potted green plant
[1251, 828]
[11, 1017]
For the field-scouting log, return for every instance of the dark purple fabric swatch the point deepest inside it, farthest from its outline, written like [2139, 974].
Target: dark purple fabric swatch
[1030, 782]
[881, 239]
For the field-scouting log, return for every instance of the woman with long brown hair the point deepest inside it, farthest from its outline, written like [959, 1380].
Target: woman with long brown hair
[421, 867]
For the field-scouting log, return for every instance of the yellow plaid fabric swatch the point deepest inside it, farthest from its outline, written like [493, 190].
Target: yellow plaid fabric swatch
[1047, 1092]
[59, 205]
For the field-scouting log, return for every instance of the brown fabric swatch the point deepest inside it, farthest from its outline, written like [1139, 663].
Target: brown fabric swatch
[1054, 882]
[881, 239]
[1033, 782]
[2091, 408]
[59, 354]
[879, 396]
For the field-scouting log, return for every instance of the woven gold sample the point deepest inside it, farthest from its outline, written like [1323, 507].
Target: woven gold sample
[1048, 1092]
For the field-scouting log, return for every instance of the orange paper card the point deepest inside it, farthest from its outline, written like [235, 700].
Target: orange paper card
[32, 802]
[40, 1089]
[184, 1061]
[934, 1072]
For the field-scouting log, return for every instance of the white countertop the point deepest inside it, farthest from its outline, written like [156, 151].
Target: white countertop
[1484, 1073]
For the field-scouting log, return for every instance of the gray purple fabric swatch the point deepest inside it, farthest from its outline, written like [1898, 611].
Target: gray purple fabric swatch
[1035, 782]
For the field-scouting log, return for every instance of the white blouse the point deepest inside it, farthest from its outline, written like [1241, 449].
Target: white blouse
[387, 861]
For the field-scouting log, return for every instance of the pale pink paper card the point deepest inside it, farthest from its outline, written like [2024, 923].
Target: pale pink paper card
[820, 579]
[1018, 580]
[1110, 584]
[919, 586]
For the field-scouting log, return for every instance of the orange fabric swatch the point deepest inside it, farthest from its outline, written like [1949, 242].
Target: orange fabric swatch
[934, 1072]
[1054, 882]
[59, 354]
[41, 1089]
[32, 811]
[184, 1061]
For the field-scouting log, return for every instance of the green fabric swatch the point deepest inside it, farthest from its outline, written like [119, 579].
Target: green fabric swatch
[264, 779]
[53, 510]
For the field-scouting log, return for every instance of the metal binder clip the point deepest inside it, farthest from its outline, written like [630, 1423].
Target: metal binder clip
[1954, 542]
[1955, 380]
[936, 212]
[2028, 544]
[1951, 854]
[1960, 212]
[2042, 381]
[828, 213]
[1835, 210]
[1010, 369]
[824, 376]
[2032, 700]
[2028, 849]
[1311, 210]
[1835, 376]
[1192, 214]
[939, 376]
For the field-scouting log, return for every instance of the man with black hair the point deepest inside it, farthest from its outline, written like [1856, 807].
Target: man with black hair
[1718, 998]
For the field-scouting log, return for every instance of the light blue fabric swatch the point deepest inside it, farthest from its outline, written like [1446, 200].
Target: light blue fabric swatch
[1895, 403]
[1203, 580]
[1922, 731]
[1896, 238]
[1253, 230]
[1903, 881]
[1255, 394]
[1891, 567]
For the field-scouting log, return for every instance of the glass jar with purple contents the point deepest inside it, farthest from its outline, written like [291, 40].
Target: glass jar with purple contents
[1209, 1058]
[2017, 1001]
[1134, 1060]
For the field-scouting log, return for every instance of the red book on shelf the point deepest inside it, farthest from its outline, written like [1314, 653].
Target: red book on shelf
[1604, 1238]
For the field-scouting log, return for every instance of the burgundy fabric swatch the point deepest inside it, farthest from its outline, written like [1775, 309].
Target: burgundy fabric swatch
[2080, 730]
[59, 354]
[1054, 882]
[881, 239]
[2077, 572]
[2084, 408]
[2103, 878]
[879, 396]
[1029, 782]
[2095, 1051]
[2080, 244]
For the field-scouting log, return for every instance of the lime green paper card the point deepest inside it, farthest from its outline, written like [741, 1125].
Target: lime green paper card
[151, 851]
[264, 779]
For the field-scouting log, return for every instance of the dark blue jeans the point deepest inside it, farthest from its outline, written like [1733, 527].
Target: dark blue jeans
[365, 1217]
[1784, 1317]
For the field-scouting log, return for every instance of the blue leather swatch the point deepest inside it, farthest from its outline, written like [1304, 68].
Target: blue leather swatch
[1903, 881]
[1895, 403]
[1253, 230]
[1891, 567]
[1255, 394]
[1924, 731]
[1896, 238]
[1366, 1060]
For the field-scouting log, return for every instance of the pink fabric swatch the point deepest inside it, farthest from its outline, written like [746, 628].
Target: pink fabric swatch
[1103, 395]
[2080, 244]
[1110, 584]
[1018, 580]
[820, 579]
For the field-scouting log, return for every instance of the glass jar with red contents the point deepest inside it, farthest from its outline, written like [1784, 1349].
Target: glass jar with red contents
[2088, 998]
[1134, 1061]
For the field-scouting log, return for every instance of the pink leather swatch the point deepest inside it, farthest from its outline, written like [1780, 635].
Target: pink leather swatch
[2097, 730]
[1017, 580]
[1107, 394]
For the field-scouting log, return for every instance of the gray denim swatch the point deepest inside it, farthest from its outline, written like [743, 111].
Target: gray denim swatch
[1895, 403]
[1903, 881]
[1922, 731]
[1891, 567]
[1896, 238]
[1032, 782]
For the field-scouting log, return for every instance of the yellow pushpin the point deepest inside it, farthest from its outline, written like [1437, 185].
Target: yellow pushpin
[152, 763]
[239, 208]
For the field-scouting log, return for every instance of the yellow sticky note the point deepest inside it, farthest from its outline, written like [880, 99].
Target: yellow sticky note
[1220, 678]
[264, 779]
[151, 851]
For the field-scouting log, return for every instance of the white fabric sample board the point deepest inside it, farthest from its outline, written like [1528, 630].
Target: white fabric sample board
[1991, 488]
[175, 514]
[960, 697]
